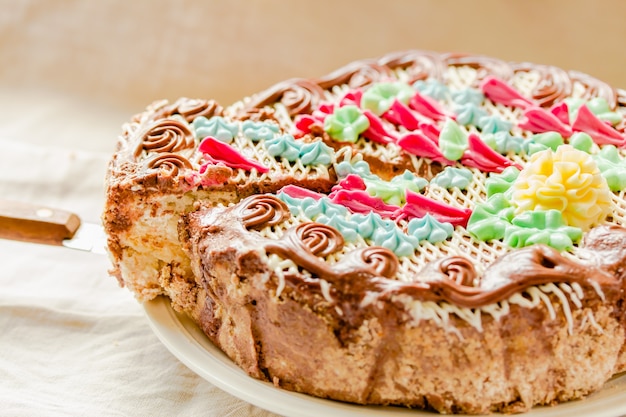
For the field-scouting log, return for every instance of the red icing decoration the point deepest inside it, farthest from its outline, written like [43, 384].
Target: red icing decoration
[350, 182]
[539, 120]
[299, 192]
[418, 205]
[219, 152]
[428, 107]
[480, 155]
[303, 124]
[377, 132]
[431, 131]
[359, 201]
[421, 145]
[561, 111]
[601, 132]
[500, 92]
[351, 97]
[401, 114]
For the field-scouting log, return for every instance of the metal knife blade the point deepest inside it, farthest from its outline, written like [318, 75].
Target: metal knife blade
[39, 224]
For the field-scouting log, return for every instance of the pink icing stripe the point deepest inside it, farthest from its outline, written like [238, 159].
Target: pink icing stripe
[420, 145]
[428, 107]
[500, 92]
[351, 97]
[431, 131]
[377, 132]
[401, 114]
[418, 205]
[359, 201]
[480, 155]
[299, 192]
[219, 152]
[303, 124]
[601, 132]
[350, 182]
[561, 111]
[539, 120]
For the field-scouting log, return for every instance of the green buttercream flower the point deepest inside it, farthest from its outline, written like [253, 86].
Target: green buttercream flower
[545, 227]
[452, 140]
[394, 191]
[598, 106]
[216, 127]
[430, 229]
[346, 123]
[490, 219]
[612, 167]
[452, 177]
[501, 183]
[256, 131]
[379, 97]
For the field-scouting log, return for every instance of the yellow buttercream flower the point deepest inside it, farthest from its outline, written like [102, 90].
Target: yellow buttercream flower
[567, 180]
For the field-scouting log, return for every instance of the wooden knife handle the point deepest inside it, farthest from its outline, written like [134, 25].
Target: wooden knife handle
[33, 223]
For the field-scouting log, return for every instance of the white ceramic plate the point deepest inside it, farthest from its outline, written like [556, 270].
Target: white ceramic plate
[187, 342]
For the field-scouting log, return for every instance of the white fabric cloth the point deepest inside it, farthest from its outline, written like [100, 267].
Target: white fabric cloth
[72, 343]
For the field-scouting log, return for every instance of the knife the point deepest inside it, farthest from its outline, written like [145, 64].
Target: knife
[39, 224]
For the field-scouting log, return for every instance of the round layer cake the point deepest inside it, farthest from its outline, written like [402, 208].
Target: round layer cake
[435, 231]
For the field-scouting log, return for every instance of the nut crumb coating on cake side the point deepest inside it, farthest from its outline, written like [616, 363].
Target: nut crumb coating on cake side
[436, 231]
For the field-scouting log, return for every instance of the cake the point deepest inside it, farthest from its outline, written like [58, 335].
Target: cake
[435, 231]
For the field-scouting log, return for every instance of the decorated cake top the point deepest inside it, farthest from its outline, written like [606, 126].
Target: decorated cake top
[425, 156]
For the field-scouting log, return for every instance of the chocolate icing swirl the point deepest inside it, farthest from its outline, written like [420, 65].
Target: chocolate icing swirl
[165, 135]
[192, 108]
[320, 239]
[168, 163]
[483, 65]
[555, 84]
[458, 269]
[418, 64]
[263, 210]
[356, 74]
[595, 88]
[297, 95]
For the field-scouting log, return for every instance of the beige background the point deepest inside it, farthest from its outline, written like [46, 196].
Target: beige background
[112, 57]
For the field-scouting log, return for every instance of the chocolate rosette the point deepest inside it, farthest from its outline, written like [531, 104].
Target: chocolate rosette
[483, 65]
[297, 95]
[192, 108]
[420, 65]
[459, 270]
[376, 260]
[261, 211]
[168, 164]
[319, 239]
[355, 75]
[165, 135]
[555, 84]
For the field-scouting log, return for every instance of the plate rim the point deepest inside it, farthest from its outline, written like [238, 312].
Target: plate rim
[184, 339]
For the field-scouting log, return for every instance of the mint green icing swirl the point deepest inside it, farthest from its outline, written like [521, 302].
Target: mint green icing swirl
[316, 153]
[394, 191]
[502, 182]
[380, 96]
[612, 167]
[452, 177]
[468, 95]
[395, 240]
[346, 123]
[504, 142]
[542, 141]
[541, 227]
[217, 127]
[255, 131]
[360, 168]
[323, 206]
[493, 124]
[598, 106]
[347, 227]
[367, 224]
[432, 88]
[430, 229]
[469, 114]
[452, 140]
[296, 205]
[581, 141]
[284, 146]
[490, 219]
